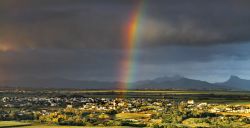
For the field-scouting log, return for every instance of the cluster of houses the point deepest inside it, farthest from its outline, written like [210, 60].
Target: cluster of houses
[124, 105]
[230, 109]
[132, 105]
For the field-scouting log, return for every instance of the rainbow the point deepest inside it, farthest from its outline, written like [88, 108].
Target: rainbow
[131, 42]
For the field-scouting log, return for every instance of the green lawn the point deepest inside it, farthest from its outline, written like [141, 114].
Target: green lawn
[15, 124]
[247, 103]
[132, 116]
[4, 124]
[193, 122]
[44, 126]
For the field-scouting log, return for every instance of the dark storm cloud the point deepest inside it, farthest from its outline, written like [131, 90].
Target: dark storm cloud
[65, 25]
[100, 24]
[193, 54]
[78, 64]
[82, 39]
[199, 22]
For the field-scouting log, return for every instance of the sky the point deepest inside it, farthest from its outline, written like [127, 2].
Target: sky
[83, 39]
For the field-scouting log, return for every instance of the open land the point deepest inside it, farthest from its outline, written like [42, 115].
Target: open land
[133, 108]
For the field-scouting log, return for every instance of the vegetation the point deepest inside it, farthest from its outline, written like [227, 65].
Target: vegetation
[133, 116]
[162, 110]
[228, 122]
[12, 124]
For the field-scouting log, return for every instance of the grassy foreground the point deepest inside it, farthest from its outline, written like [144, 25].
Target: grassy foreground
[132, 116]
[16, 124]
[44, 126]
[6, 124]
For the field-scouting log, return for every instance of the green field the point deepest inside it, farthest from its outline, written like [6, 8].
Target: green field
[15, 124]
[8, 124]
[165, 92]
[247, 103]
[44, 126]
[200, 123]
[210, 96]
[132, 116]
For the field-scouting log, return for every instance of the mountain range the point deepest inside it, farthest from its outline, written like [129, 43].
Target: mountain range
[174, 82]
[236, 83]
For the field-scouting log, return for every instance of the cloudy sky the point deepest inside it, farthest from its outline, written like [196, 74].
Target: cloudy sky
[82, 39]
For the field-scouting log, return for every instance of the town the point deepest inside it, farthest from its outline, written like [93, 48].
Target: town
[135, 112]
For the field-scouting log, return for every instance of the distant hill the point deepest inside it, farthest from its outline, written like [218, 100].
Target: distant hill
[158, 80]
[236, 83]
[178, 82]
[175, 82]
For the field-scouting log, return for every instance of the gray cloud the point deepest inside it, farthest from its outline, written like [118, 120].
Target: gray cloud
[83, 39]
[78, 64]
[97, 24]
[189, 54]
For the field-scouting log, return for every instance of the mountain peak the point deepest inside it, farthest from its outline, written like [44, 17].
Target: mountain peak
[237, 83]
[233, 77]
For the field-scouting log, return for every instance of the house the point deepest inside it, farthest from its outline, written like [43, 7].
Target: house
[69, 106]
[190, 102]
